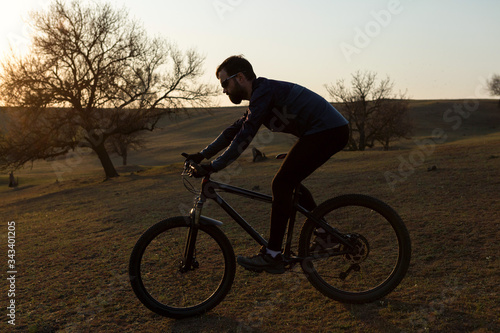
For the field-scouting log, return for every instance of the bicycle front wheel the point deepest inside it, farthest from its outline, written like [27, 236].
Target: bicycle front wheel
[372, 266]
[160, 279]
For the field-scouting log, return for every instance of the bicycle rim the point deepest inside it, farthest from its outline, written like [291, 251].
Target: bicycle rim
[378, 260]
[157, 276]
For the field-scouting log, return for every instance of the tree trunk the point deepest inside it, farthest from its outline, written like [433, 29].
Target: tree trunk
[124, 157]
[362, 140]
[386, 144]
[106, 162]
[12, 180]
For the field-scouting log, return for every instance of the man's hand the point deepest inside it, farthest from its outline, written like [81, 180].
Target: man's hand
[204, 170]
[196, 158]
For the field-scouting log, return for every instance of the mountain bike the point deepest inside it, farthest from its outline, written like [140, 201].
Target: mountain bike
[352, 248]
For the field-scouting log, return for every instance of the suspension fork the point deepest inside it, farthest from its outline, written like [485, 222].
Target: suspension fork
[189, 260]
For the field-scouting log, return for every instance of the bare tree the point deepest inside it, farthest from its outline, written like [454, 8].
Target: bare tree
[392, 123]
[120, 144]
[494, 86]
[373, 111]
[92, 73]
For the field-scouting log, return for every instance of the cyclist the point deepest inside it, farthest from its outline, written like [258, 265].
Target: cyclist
[282, 107]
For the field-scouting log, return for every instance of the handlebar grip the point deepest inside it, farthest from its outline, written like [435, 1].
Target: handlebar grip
[185, 155]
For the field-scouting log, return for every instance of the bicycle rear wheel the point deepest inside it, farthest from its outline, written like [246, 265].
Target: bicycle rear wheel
[376, 263]
[162, 284]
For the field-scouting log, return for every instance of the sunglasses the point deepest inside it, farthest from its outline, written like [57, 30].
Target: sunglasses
[225, 83]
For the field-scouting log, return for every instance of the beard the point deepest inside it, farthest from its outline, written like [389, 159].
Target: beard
[237, 95]
[235, 99]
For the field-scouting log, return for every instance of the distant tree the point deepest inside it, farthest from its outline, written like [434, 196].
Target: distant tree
[494, 86]
[91, 73]
[374, 112]
[392, 123]
[120, 144]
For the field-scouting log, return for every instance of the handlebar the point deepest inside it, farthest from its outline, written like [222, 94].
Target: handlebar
[192, 169]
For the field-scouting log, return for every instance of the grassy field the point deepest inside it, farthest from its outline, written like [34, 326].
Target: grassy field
[75, 232]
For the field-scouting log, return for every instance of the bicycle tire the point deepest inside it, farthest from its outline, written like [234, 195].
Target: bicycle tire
[382, 249]
[159, 283]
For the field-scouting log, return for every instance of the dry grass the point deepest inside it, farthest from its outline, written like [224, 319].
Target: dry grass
[73, 240]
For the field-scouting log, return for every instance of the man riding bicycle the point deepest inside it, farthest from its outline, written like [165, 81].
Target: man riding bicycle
[282, 107]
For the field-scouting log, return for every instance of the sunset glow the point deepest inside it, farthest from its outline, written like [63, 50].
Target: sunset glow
[432, 50]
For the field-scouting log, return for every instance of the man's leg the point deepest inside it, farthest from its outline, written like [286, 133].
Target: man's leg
[308, 154]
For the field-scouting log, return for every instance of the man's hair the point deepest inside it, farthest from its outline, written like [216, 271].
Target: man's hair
[236, 64]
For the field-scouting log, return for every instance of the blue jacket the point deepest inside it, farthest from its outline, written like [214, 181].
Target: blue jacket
[281, 107]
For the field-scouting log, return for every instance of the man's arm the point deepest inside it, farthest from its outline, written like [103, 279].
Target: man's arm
[258, 110]
[224, 139]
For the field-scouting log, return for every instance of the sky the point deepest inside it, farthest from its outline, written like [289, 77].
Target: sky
[442, 49]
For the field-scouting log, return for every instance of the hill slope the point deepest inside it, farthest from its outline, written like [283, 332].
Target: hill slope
[73, 239]
[193, 131]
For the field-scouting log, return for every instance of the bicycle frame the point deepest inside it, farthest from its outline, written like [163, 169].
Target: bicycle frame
[210, 189]
[364, 223]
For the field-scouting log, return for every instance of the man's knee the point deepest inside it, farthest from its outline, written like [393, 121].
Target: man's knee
[282, 184]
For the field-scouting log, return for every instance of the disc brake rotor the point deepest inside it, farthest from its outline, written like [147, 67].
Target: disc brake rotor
[360, 249]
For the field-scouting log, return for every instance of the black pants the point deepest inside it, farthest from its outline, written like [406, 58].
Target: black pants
[308, 154]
